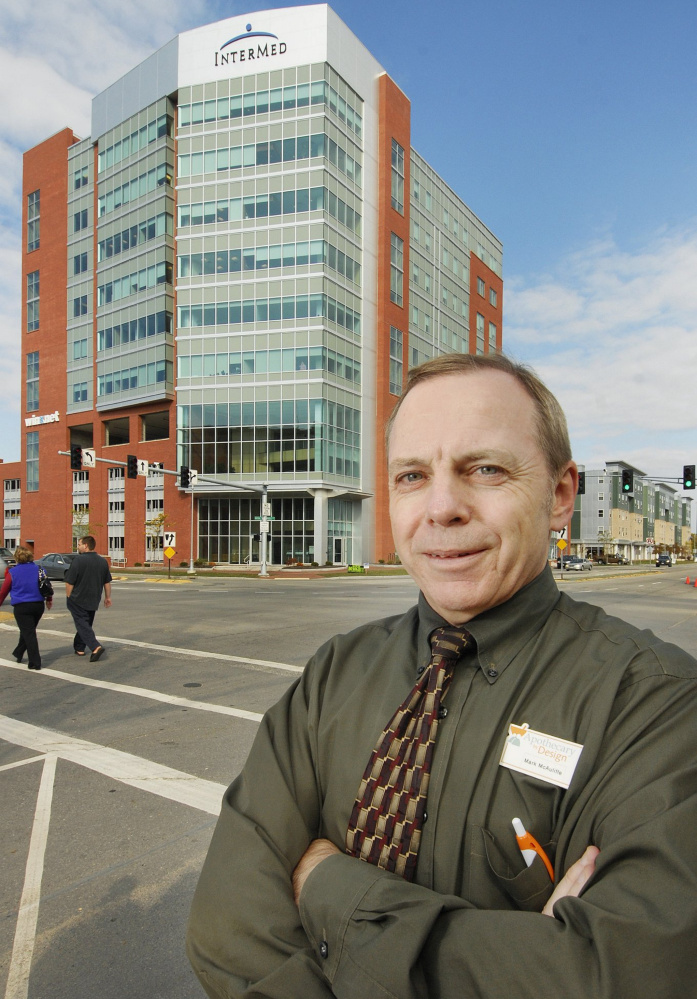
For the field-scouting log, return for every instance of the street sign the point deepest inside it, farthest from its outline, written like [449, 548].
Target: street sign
[143, 466]
[264, 527]
[170, 539]
[650, 541]
[169, 552]
[264, 518]
[266, 511]
[89, 459]
[561, 544]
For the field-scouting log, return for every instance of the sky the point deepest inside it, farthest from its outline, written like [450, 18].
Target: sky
[567, 127]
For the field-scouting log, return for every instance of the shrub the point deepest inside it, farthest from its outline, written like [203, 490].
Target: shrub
[137, 565]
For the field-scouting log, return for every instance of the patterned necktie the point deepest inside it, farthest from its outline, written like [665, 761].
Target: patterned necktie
[386, 821]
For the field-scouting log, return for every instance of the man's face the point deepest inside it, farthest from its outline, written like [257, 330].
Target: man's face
[471, 498]
[81, 546]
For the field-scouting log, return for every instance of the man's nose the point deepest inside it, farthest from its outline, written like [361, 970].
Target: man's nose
[447, 500]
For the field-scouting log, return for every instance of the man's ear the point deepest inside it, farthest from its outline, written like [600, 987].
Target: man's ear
[564, 498]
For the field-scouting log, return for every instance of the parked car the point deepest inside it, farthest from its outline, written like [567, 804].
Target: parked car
[7, 557]
[663, 560]
[563, 559]
[55, 565]
[616, 560]
[577, 564]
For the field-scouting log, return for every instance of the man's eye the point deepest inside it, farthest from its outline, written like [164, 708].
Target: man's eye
[410, 477]
[489, 470]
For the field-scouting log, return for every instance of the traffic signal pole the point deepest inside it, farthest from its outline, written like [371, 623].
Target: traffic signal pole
[155, 466]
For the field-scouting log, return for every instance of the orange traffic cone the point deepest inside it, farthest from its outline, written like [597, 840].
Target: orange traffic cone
[688, 581]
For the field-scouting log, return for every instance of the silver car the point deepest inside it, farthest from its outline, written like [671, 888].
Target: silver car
[577, 564]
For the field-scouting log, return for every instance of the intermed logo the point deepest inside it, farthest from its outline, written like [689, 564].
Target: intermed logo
[246, 52]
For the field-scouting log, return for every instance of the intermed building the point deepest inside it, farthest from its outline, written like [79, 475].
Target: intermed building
[234, 273]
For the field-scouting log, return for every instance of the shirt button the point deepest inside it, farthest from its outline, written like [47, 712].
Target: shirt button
[493, 673]
[442, 712]
[420, 670]
[425, 818]
[324, 949]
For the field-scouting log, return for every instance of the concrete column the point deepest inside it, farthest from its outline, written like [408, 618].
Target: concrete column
[321, 498]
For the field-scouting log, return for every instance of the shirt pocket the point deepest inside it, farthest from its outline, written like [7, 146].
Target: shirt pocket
[496, 883]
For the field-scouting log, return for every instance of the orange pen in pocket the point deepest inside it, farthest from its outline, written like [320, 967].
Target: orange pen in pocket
[529, 847]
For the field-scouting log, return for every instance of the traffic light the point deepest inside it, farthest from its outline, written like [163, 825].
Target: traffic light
[688, 477]
[184, 477]
[75, 457]
[627, 481]
[256, 537]
[581, 484]
[131, 466]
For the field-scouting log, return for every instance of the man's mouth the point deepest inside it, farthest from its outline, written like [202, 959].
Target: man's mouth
[451, 554]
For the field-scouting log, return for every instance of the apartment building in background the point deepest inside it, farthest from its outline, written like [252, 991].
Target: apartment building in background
[234, 273]
[651, 518]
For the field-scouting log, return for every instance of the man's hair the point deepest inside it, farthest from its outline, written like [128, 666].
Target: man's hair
[89, 542]
[552, 431]
[23, 554]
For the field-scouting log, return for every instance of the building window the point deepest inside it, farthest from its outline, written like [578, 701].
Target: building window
[396, 269]
[33, 207]
[80, 263]
[80, 392]
[601, 497]
[32, 301]
[480, 333]
[492, 336]
[32, 381]
[80, 220]
[79, 349]
[481, 287]
[81, 177]
[601, 514]
[397, 177]
[493, 297]
[396, 347]
[33, 461]
[80, 306]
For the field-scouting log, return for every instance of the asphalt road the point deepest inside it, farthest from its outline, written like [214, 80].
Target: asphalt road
[111, 774]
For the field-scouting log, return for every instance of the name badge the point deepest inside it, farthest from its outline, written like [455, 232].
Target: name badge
[539, 755]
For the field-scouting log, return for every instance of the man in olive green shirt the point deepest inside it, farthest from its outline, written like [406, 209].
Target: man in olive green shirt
[575, 722]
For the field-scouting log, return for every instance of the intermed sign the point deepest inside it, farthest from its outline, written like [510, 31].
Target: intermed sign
[259, 42]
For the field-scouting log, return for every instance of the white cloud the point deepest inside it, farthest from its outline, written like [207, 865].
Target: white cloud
[614, 334]
[53, 58]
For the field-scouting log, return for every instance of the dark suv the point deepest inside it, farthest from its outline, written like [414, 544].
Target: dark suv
[663, 560]
[7, 557]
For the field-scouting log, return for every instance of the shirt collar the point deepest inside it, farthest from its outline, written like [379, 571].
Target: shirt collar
[501, 632]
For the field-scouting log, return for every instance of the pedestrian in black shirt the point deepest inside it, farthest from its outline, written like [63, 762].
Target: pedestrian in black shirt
[87, 576]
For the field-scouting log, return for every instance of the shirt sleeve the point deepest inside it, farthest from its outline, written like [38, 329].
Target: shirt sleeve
[630, 933]
[245, 938]
[6, 585]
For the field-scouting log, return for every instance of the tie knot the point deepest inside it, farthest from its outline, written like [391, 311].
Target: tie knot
[450, 642]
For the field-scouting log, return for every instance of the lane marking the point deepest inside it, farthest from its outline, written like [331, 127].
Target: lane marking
[151, 695]
[22, 763]
[28, 914]
[204, 795]
[171, 648]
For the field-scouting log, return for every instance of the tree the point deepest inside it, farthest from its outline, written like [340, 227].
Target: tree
[605, 539]
[82, 524]
[154, 530]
